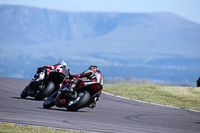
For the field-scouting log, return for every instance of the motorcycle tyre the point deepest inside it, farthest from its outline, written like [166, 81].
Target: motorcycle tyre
[82, 102]
[24, 93]
[46, 91]
[50, 101]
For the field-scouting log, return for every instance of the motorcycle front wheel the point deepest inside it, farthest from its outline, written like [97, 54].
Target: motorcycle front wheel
[24, 93]
[50, 100]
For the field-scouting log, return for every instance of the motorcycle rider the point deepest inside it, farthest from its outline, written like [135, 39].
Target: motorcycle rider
[92, 74]
[61, 66]
[44, 71]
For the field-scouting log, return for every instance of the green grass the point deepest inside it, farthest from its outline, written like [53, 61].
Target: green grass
[11, 128]
[183, 97]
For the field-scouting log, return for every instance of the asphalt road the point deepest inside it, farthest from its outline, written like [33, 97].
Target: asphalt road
[112, 114]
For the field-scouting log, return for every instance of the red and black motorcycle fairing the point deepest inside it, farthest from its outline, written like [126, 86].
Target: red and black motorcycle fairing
[86, 91]
[43, 84]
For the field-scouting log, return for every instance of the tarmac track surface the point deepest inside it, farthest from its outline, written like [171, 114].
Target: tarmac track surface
[112, 114]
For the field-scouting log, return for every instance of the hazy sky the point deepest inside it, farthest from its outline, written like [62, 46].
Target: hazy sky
[189, 9]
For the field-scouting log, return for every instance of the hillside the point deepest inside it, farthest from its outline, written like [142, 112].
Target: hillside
[154, 46]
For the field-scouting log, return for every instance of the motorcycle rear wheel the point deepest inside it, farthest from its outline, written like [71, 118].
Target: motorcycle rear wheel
[83, 98]
[46, 91]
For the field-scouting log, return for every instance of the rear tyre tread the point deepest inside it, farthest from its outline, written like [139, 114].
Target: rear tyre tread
[46, 91]
[81, 103]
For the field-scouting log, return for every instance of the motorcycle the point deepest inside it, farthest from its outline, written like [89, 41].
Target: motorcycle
[43, 85]
[85, 97]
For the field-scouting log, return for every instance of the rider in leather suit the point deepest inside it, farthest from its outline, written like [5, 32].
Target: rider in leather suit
[92, 74]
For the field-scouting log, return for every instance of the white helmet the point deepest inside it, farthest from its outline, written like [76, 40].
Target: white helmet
[62, 63]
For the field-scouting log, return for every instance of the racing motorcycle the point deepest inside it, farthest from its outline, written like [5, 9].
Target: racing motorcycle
[43, 85]
[84, 97]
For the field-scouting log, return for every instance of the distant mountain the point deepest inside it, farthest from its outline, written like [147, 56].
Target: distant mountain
[153, 46]
[33, 25]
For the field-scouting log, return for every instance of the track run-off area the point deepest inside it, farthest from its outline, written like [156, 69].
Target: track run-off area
[112, 114]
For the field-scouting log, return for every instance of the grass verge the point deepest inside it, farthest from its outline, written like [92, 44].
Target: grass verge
[183, 97]
[11, 128]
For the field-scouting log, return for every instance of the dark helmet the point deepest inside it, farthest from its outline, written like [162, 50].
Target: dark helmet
[93, 67]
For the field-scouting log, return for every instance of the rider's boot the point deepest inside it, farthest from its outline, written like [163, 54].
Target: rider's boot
[41, 86]
[93, 103]
[70, 91]
[67, 90]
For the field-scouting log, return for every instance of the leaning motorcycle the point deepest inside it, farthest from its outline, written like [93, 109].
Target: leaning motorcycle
[85, 96]
[43, 85]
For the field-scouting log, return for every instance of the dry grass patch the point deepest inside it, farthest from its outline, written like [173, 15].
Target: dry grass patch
[12, 128]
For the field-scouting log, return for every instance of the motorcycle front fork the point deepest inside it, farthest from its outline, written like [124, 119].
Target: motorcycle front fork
[59, 101]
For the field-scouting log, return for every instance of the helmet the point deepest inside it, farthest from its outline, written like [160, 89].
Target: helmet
[66, 70]
[62, 63]
[93, 67]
